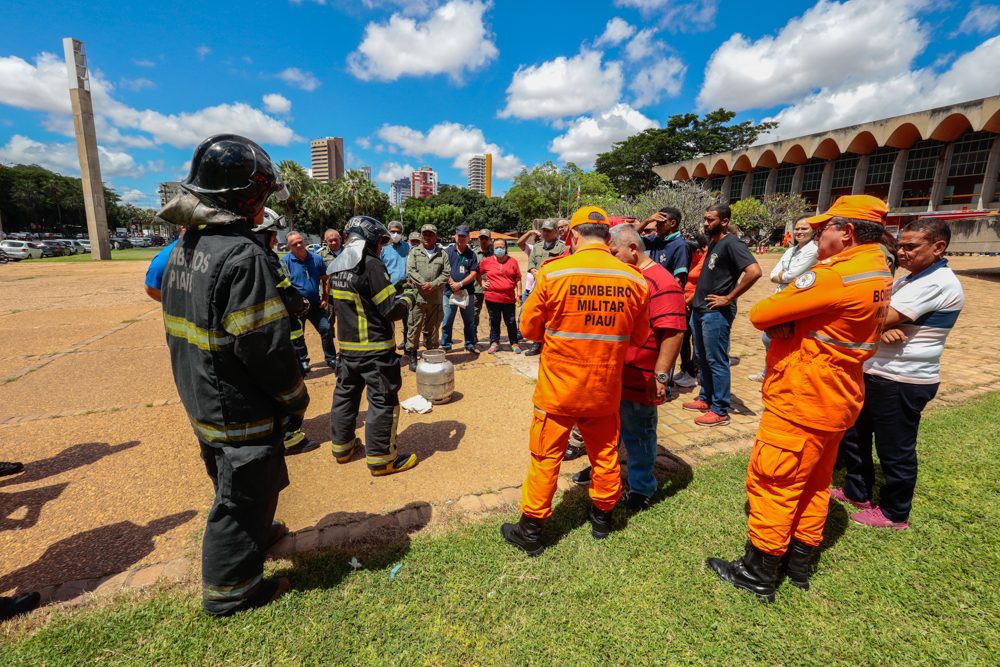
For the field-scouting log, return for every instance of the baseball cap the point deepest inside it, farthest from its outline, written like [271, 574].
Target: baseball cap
[549, 224]
[587, 215]
[861, 207]
[485, 232]
[414, 236]
[462, 230]
[428, 228]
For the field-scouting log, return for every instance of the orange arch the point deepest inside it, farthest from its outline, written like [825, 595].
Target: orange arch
[993, 124]
[768, 159]
[863, 144]
[743, 163]
[904, 136]
[682, 175]
[951, 128]
[828, 150]
[720, 167]
[701, 171]
[795, 155]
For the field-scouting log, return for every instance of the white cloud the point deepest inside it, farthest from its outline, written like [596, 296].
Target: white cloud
[642, 45]
[616, 32]
[156, 166]
[248, 60]
[676, 16]
[137, 84]
[452, 40]
[275, 103]
[293, 76]
[587, 136]
[42, 87]
[899, 93]
[564, 87]
[63, 158]
[981, 19]
[451, 140]
[408, 7]
[393, 171]
[202, 51]
[829, 43]
[665, 76]
[138, 198]
[144, 63]
[364, 142]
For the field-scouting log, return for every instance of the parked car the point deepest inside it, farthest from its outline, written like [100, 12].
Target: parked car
[68, 247]
[52, 249]
[85, 244]
[81, 246]
[119, 243]
[21, 250]
[158, 240]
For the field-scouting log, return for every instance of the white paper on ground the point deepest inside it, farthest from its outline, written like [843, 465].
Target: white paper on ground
[417, 404]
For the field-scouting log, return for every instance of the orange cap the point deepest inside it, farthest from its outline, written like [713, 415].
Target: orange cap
[861, 207]
[587, 215]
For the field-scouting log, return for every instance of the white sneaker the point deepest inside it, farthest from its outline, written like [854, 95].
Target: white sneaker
[682, 379]
[757, 377]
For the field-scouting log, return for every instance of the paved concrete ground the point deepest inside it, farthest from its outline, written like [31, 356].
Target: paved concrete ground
[113, 479]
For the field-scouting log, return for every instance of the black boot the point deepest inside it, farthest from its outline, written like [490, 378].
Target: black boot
[524, 534]
[755, 572]
[797, 564]
[600, 522]
[19, 604]
[534, 350]
[412, 358]
[582, 478]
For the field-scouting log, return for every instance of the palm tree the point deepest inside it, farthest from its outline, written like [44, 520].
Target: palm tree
[298, 182]
[354, 190]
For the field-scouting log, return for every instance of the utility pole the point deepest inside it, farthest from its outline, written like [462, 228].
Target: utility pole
[86, 147]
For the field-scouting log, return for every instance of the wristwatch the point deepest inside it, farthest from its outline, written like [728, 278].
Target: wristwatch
[662, 378]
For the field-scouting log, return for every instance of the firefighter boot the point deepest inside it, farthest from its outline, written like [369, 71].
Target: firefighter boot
[797, 564]
[402, 462]
[600, 522]
[524, 534]
[756, 572]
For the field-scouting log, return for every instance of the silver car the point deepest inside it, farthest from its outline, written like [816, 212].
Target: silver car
[21, 249]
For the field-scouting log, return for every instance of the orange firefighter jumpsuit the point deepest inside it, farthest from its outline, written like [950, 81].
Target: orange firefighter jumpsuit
[813, 391]
[590, 307]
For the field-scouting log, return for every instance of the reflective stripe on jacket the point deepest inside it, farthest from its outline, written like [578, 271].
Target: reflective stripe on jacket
[588, 308]
[838, 308]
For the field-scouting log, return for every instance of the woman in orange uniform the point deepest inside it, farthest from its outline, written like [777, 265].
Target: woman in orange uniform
[823, 328]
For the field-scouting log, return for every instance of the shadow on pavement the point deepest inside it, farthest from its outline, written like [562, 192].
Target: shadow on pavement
[33, 500]
[68, 459]
[105, 550]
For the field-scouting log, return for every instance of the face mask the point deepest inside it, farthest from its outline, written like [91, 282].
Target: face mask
[500, 252]
[396, 237]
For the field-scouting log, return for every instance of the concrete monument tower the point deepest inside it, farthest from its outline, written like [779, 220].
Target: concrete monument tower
[86, 146]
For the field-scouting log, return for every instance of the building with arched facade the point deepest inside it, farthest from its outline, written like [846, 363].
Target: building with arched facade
[936, 160]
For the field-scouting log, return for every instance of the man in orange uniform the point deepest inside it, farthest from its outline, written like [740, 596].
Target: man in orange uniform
[823, 328]
[589, 307]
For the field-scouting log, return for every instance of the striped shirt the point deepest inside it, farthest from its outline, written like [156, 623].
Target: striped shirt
[932, 301]
[666, 312]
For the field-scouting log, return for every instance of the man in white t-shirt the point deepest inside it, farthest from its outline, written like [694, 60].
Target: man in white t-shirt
[902, 377]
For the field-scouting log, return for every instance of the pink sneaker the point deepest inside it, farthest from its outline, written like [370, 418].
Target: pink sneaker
[696, 406]
[873, 517]
[492, 350]
[712, 419]
[839, 494]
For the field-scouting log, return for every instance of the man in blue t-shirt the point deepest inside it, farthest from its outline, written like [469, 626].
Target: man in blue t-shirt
[464, 269]
[154, 274]
[666, 247]
[307, 271]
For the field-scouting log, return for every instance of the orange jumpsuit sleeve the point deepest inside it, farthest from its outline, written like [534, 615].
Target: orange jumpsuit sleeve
[794, 303]
[534, 313]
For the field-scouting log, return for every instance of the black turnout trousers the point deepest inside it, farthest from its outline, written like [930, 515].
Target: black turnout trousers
[380, 374]
[247, 480]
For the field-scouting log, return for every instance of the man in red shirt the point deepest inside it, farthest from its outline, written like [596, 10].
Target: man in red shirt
[645, 374]
[502, 280]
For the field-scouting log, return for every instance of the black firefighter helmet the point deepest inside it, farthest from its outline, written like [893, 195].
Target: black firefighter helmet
[371, 230]
[234, 173]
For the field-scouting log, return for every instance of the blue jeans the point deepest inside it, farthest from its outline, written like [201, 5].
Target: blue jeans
[639, 437]
[317, 316]
[711, 343]
[468, 320]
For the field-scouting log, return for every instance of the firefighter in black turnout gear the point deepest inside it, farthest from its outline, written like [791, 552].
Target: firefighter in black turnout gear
[233, 361]
[366, 304]
[296, 442]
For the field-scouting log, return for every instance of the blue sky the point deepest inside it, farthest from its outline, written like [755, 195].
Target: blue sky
[413, 82]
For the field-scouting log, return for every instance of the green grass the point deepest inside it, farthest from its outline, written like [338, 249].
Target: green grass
[131, 255]
[927, 596]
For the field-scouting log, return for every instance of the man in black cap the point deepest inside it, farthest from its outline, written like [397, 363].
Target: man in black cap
[427, 269]
[463, 269]
[483, 250]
